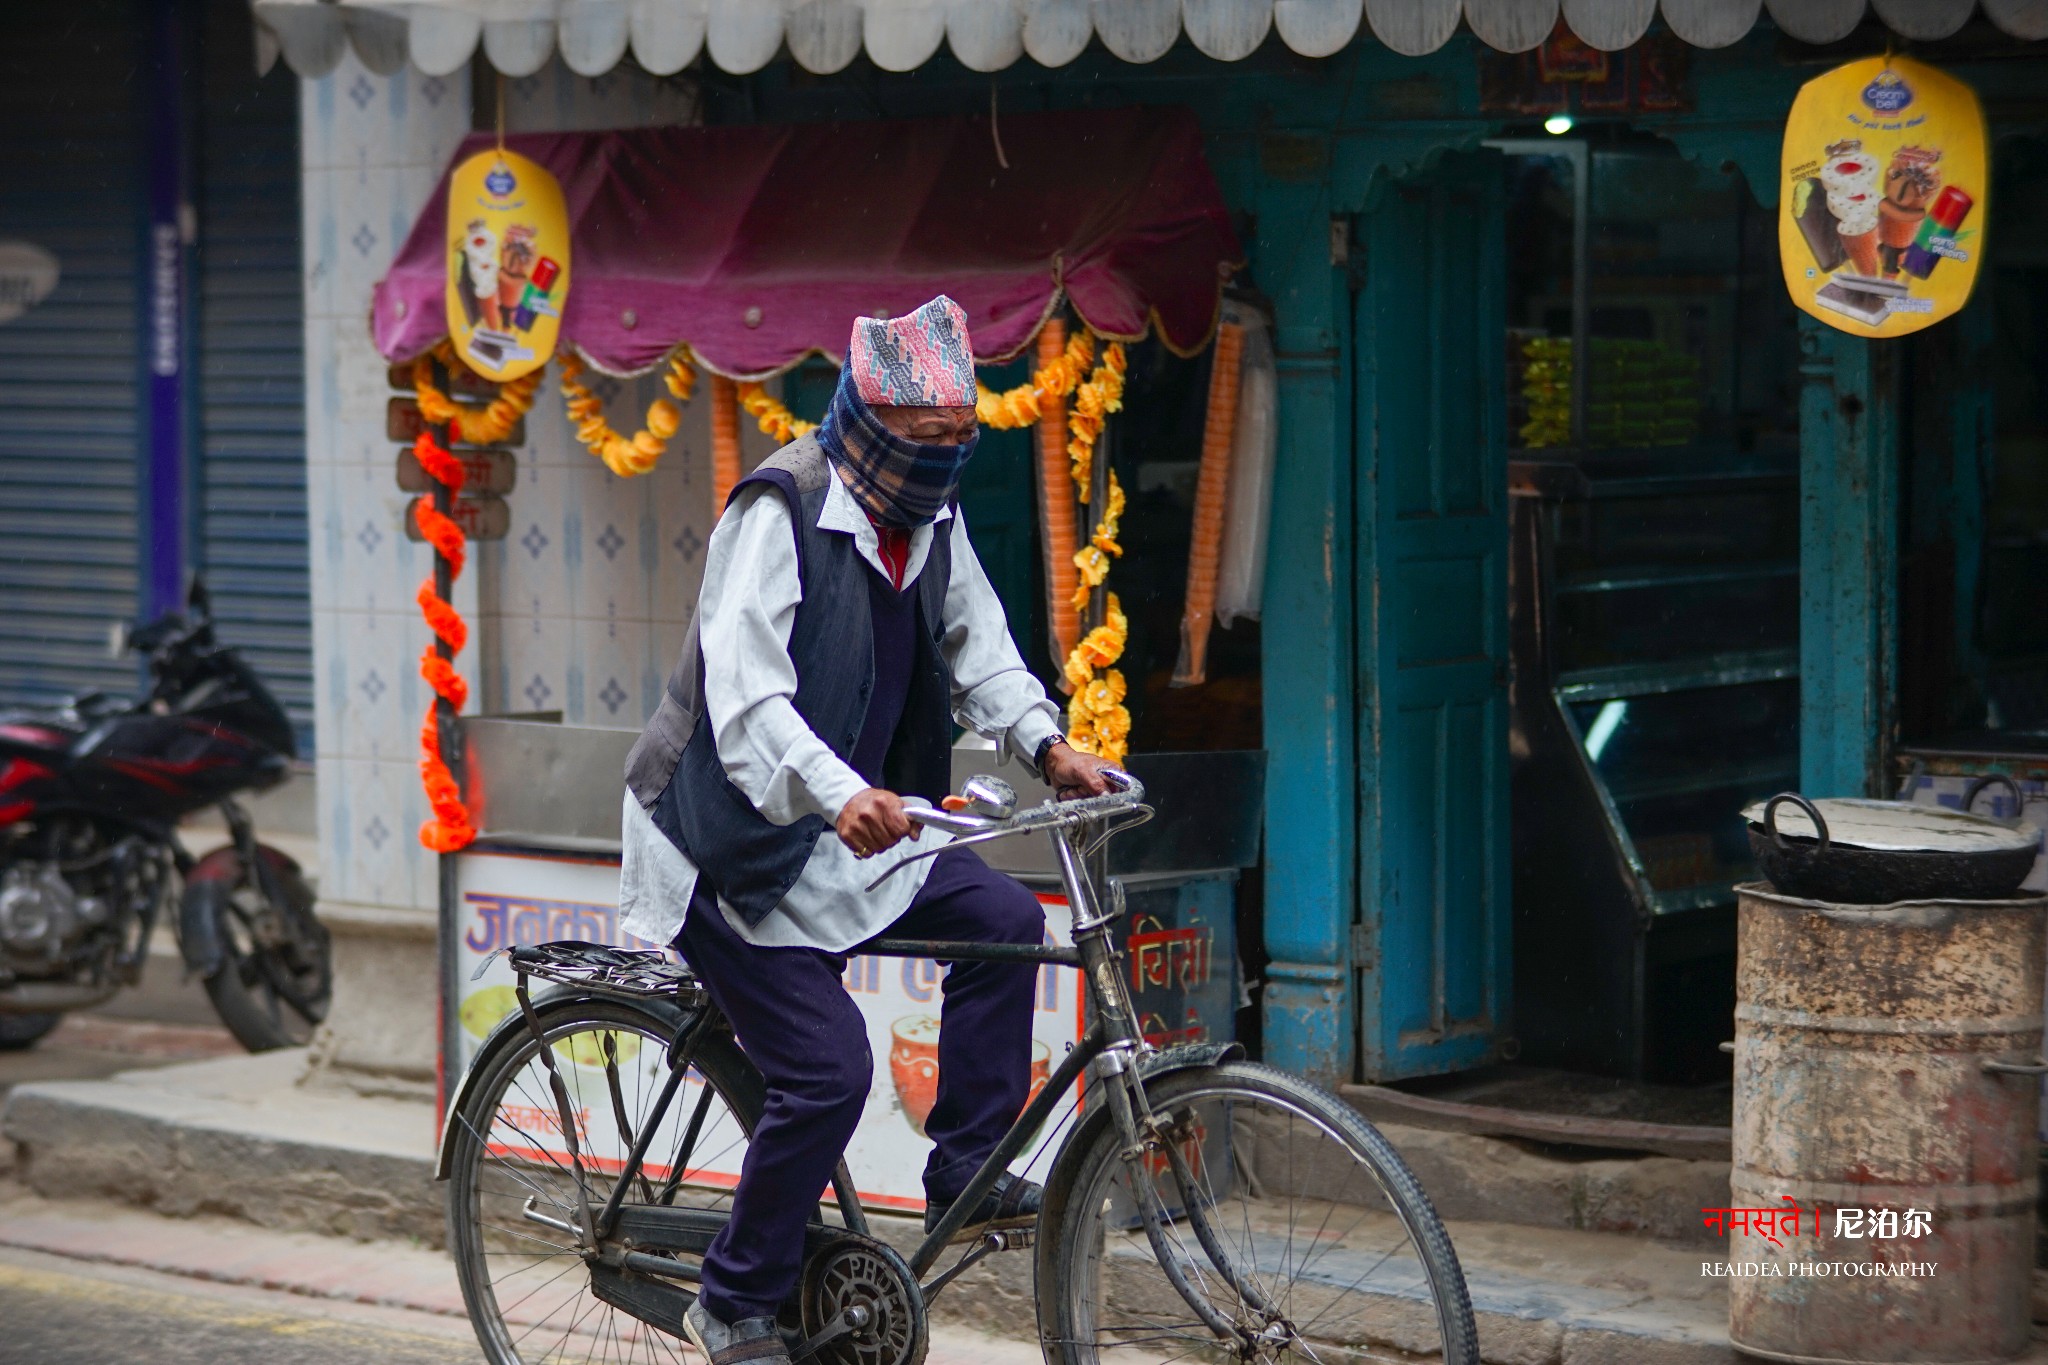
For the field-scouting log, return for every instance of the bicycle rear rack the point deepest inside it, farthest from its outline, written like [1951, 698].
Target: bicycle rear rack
[635, 973]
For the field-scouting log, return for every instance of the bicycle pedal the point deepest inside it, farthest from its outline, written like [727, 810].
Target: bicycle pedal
[1012, 1239]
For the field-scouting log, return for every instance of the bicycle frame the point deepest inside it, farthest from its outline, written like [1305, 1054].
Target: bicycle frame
[1110, 1046]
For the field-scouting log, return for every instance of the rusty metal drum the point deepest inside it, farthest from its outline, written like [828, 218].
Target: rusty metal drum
[1887, 1089]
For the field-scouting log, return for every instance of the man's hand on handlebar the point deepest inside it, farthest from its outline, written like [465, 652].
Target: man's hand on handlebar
[1072, 774]
[873, 822]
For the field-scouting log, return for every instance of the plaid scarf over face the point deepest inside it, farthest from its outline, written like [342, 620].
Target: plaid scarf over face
[898, 482]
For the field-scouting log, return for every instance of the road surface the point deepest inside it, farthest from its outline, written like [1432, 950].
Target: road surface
[63, 1312]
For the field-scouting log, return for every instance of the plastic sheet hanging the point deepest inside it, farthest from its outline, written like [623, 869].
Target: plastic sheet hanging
[1241, 579]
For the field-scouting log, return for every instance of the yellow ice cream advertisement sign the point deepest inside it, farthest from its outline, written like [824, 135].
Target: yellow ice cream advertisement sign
[1885, 196]
[508, 263]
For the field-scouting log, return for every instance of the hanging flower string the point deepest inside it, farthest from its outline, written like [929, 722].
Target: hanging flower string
[479, 426]
[450, 828]
[1097, 720]
[1021, 406]
[1094, 401]
[772, 415]
[625, 456]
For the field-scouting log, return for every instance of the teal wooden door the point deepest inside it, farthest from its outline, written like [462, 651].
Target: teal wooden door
[1433, 934]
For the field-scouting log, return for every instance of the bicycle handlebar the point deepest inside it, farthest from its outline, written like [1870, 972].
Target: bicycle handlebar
[980, 829]
[1045, 815]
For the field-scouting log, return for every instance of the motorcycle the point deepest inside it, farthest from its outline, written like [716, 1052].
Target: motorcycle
[91, 793]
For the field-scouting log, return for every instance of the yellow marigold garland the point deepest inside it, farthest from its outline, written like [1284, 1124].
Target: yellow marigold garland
[481, 426]
[1020, 407]
[1093, 402]
[625, 456]
[773, 415]
[1093, 558]
[1097, 720]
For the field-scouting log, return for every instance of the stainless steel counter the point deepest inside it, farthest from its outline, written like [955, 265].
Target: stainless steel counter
[543, 784]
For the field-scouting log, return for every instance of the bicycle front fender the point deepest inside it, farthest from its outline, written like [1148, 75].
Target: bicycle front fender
[1188, 1057]
[1152, 1066]
[662, 1014]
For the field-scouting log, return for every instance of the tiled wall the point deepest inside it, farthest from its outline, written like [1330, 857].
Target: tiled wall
[582, 607]
[371, 148]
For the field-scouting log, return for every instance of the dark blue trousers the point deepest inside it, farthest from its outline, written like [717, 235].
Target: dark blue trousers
[796, 1022]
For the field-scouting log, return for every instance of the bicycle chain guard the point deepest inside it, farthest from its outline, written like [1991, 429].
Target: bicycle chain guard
[857, 1273]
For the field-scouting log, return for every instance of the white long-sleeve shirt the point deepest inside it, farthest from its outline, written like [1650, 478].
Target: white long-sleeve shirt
[745, 611]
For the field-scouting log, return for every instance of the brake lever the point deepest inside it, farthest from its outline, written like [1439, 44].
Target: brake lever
[968, 841]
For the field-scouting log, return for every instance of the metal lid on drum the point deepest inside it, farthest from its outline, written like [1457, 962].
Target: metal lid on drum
[1899, 827]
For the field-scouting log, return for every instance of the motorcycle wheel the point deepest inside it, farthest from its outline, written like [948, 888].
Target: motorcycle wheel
[20, 1032]
[268, 994]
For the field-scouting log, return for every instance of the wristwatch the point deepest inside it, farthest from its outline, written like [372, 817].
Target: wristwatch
[1044, 748]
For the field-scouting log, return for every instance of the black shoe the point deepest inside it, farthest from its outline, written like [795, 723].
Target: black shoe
[1013, 1203]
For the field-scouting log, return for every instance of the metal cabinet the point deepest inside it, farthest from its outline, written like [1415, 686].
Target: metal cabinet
[1655, 691]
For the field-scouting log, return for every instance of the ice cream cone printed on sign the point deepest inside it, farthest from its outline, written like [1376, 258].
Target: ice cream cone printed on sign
[1884, 196]
[508, 263]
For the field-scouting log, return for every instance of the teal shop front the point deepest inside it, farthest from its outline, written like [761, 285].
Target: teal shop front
[1579, 538]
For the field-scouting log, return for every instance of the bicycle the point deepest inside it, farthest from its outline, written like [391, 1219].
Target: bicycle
[1201, 1206]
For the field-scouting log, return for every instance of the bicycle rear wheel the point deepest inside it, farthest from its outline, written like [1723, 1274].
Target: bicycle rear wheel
[513, 1210]
[1306, 1233]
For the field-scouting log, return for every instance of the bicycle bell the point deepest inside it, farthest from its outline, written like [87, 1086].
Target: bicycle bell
[989, 795]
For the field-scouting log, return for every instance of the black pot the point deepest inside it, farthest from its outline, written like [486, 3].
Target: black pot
[1965, 857]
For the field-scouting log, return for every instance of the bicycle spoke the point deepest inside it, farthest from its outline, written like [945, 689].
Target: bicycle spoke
[1281, 1223]
[528, 1289]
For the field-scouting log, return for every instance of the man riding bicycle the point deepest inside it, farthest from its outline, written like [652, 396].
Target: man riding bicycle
[844, 626]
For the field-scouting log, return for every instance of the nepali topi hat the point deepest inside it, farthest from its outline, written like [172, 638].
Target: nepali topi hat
[920, 360]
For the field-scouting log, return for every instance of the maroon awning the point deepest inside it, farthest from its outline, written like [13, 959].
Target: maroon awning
[759, 245]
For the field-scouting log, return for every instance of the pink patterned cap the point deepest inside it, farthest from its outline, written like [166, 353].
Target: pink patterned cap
[920, 360]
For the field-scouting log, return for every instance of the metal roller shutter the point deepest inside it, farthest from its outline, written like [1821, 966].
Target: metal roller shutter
[68, 420]
[251, 486]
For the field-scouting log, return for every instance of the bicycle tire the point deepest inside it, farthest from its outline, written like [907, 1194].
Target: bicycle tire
[729, 1078]
[1092, 1272]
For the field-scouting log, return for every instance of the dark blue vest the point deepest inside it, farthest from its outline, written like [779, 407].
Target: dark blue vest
[890, 712]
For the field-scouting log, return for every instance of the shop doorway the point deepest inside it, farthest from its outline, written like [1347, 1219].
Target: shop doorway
[1577, 598]
[1432, 532]
[1653, 471]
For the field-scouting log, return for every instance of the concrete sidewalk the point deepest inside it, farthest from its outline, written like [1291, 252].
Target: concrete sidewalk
[241, 1139]
[382, 1274]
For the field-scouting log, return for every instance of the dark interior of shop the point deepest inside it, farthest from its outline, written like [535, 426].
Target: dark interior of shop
[1654, 578]
[1974, 529]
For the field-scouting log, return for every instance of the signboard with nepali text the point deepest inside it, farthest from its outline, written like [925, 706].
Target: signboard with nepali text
[1884, 198]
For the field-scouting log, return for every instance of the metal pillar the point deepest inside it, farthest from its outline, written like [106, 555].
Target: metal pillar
[168, 330]
[1848, 560]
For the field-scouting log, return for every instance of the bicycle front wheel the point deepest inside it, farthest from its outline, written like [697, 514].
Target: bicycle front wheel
[1291, 1220]
[513, 1204]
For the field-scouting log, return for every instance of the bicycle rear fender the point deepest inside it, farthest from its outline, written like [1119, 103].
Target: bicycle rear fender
[663, 1015]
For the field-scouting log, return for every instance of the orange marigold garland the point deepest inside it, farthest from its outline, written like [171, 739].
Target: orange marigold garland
[450, 828]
